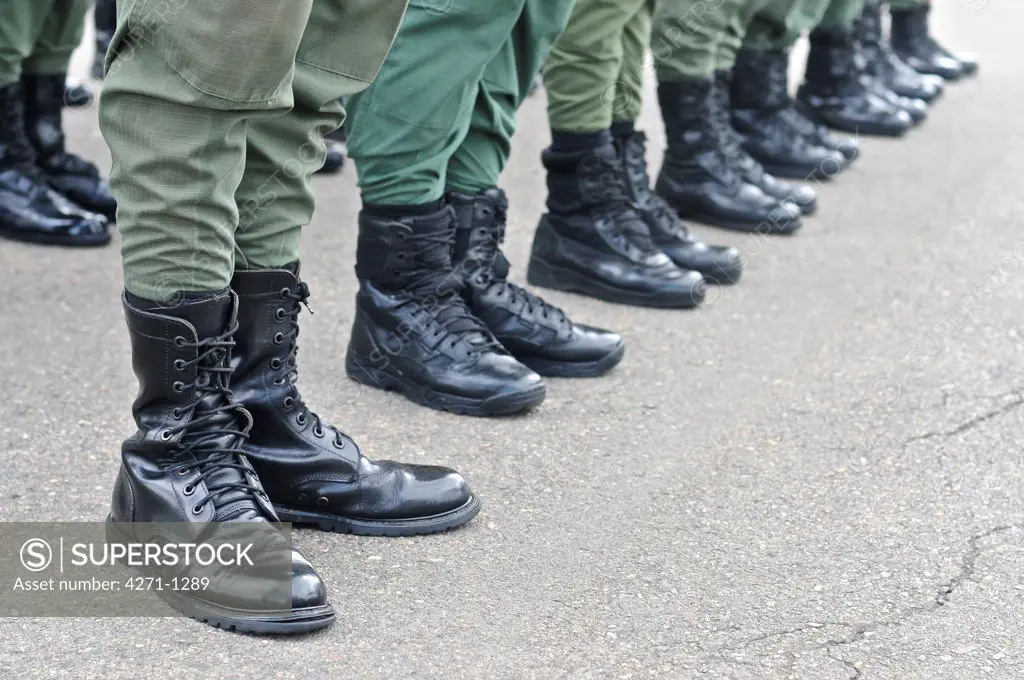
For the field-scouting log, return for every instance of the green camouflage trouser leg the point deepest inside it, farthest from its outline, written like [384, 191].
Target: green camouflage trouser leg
[215, 114]
[38, 36]
[441, 114]
[907, 4]
[688, 34]
[594, 76]
[778, 24]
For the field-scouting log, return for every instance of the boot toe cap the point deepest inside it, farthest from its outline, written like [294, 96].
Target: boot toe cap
[308, 589]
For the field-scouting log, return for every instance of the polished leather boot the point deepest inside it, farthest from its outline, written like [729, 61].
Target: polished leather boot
[105, 21]
[337, 151]
[913, 42]
[185, 468]
[696, 178]
[592, 241]
[78, 95]
[882, 63]
[68, 174]
[29, 209]
[314, 472]
[749, 169]
[718, 264]
[761, 111]
[538, 334]
[834, 94]
[413, 332]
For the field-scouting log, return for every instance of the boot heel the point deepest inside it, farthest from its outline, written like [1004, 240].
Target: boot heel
[364, 371]
[540, 273]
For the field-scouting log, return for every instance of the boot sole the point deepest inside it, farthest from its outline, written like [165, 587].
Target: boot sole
[52, 240]
[417, 526]
[777, 228]
[362, 370]
[546, 275]
[802, 172]
[278, 622]
[581, 369]
[869, 130]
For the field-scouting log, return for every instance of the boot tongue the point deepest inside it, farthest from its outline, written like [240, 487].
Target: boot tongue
[212, 317]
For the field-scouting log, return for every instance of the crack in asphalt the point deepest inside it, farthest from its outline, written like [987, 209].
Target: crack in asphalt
[859, 631]
[1018, 400]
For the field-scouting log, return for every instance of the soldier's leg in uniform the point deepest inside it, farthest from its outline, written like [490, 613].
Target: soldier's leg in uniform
[412, 330]
[594, 81]
[43, 79]
[104, 22]
[912, 40]
[835, 92]
[51, 218]
[291, 448]
[539, 335]
[701, 176]
[883, 63]
[176, 126]
[762, 106]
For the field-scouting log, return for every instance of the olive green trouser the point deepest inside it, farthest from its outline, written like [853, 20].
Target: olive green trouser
[690, 38]
[441, 114]
[38, 36]
[215, 114]
[907, 4]
[594, 75]
[778, 24]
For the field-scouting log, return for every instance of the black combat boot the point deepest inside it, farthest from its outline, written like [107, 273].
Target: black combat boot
[185, 468]
[29, 209]
[773, 132]
[885, 65]
[592, 241]
[105, 20]
[833, 92]
[314, 472]
[696, 178]
[913, 42]
[413, 332]
[718, 264]
[742, 162]
[538, 334]
[70, 175]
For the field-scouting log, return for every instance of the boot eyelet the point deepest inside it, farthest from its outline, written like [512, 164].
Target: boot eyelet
[179, 365]
[301, 419]
[339, 442]
[278, 338]
[318, 432]
[279, 314]
[400, 236]
[182, 471]
[177, 414]
[179, 341]
[275, 363]
[196, 509]
[401, 256]
[288, 402]
[278, 382]
[189, 489]
[322, 500]
[285, 292]
[178, 386]
[166, 436]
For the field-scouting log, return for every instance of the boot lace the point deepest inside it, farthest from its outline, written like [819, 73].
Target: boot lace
[447, 317]
[635, 157]
[601, 184]
[500, 286]
[212, 435]
[299, 298]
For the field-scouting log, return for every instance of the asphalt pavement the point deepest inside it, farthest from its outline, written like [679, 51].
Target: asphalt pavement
[818, 476]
